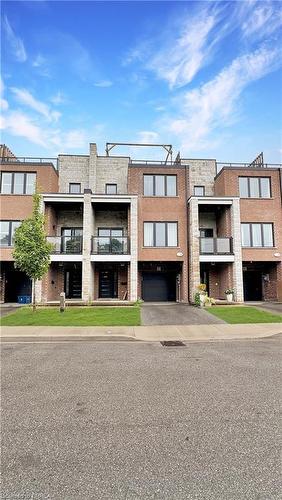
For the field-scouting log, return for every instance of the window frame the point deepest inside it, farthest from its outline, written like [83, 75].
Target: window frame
[261, 232]
[13, 172]
[10, 235]
[166, 233]
[110, 184]
[200, 186]
[259, 185]
[165, 186]
[75, 184]
[110, 229]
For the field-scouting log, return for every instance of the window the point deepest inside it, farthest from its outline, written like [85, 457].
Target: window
[7, 232]
[160, 234]
[257, 234]
[199, 190]
[111, 188]
[159, 185]
[74, 187]
[18, 182]
[254, 187]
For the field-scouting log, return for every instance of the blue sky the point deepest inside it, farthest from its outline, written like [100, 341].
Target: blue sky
[203, 76]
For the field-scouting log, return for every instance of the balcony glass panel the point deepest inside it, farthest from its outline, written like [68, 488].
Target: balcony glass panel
[207, 245]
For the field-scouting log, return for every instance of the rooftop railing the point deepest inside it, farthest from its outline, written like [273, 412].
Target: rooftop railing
[30, 159]
[221, 165]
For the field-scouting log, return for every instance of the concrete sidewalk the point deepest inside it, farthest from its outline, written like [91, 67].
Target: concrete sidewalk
[143, 333]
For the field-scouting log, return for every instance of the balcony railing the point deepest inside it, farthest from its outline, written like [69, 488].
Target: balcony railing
[30, 159]
[66, 244]
[110, 245]
[216, 246]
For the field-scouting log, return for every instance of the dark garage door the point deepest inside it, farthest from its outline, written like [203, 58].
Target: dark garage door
[158, 287]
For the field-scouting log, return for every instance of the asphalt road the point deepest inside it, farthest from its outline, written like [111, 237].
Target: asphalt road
[97, 420]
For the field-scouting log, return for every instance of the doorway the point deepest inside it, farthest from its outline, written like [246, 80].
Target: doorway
[108, 284]
[252, 282]
[73, 280]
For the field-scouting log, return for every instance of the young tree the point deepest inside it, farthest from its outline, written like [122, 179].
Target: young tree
[32, 251]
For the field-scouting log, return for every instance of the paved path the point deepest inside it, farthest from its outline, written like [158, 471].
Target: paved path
[176, 314]
[145, 333]
[116, 421]
[8, 308]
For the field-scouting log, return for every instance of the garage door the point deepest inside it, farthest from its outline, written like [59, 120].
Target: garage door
[158, 287]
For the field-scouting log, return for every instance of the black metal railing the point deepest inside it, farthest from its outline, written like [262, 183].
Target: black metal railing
[216, 246]
[221, 165]
[110, 245]
[66, 244]
[30, 159]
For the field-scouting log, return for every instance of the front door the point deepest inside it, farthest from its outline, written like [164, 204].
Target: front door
[108, 284]
[73, 279]
[252, 281]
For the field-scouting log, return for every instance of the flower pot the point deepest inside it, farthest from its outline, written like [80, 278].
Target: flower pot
[202, 299]
[208, 304]
[229, 297]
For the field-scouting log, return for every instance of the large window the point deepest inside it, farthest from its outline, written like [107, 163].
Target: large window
[257, 234]
[160, 234]
[160, 185]
[18, 182]
[254, 187]
[7, 232]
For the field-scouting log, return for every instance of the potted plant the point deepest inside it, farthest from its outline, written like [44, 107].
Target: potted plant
[229, 294]
[209, 301]
[202, 293]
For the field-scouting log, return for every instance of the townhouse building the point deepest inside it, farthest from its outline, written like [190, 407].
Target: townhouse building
[124, 229]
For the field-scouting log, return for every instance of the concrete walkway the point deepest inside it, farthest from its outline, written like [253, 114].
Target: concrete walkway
[143, 333]
[274, 307]
[176, 314]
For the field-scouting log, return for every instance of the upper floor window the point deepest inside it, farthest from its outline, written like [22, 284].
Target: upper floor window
[74, 187]
[257, 234]
[199, 190]
[160, 185]
[254, 187]
[111, 188]
[18, 182]
[7, 232]
[160, 234]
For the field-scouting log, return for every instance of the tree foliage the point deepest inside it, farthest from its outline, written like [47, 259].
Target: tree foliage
[32, 251]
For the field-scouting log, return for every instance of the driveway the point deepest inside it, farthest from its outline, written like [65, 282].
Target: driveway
[175, 314]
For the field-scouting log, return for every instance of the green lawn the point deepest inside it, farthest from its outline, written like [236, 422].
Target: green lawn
[74, 316]
[242, 314]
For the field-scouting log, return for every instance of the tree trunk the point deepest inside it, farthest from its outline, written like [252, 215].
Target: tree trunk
[33, 296]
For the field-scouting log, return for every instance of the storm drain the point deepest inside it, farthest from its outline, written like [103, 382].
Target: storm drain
[172, 343]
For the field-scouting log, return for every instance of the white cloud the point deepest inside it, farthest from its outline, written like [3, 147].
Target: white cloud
[103, 83]
[181, 61]
[20, 124]
[38, 61]
[24, 97]
[15, 42]
[264, 19]
[212, 106]
[147, 137]
[58, 98]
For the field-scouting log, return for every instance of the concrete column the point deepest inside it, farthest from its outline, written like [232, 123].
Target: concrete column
[38, 292]
[237, 250]
[133, 249]
[194, 248]
[88, 231]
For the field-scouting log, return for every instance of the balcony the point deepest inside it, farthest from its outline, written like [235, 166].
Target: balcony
[216, 246]
[67, 245]
[110, 245]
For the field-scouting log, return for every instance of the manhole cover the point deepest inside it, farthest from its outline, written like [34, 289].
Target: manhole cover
[172, 343]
